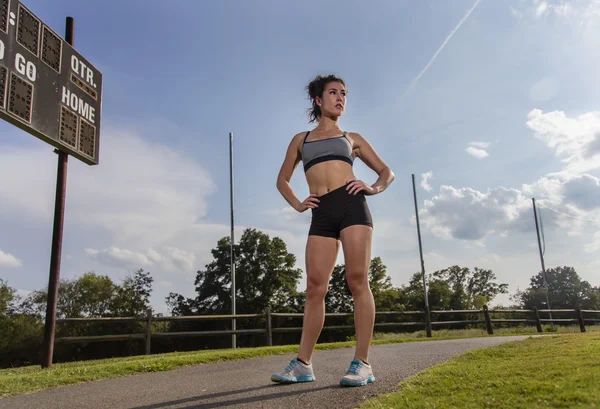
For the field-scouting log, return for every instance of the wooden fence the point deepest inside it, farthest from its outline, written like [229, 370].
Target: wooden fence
[531, 317]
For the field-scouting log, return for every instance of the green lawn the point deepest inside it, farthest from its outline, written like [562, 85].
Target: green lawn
[560, 371]
[33, 378]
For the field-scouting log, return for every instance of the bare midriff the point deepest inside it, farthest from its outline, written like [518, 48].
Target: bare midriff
[324, 177]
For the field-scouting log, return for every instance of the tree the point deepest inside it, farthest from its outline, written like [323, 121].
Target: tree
[18, 332]
[387, 298]
[87, 296]
[482, 288]
[339, 297]
[470, 289]
[439, 293]
[455, 287]
[7, 299]
[132, 298]
[94, 295]
[265, 275]
[378, 278]
[264, 272]
[566, 290]
[90, 295]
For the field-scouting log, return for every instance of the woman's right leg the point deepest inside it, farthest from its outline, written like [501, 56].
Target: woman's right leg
[321, 254]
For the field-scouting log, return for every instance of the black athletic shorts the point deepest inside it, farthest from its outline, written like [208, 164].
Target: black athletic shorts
[337, 210]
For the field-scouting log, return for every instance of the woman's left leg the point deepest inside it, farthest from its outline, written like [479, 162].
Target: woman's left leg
[356, 243]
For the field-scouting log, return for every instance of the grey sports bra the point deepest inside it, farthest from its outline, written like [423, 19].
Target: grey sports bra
[322, 150]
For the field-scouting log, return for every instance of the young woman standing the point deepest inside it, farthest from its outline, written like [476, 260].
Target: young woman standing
[340, 215]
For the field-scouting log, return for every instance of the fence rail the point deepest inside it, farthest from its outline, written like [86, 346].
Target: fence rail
[268, 330]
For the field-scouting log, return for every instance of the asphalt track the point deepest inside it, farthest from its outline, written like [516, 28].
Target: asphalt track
[246, 383]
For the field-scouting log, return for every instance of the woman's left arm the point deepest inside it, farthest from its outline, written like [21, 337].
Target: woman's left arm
[367, 154]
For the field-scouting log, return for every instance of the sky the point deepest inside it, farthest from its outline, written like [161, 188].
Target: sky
[488, 103]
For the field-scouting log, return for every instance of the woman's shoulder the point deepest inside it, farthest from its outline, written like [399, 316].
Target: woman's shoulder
[355, 137]
[354, 134]
[301, 134]
[299, 137]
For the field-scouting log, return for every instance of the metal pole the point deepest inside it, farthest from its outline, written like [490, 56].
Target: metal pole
[57, 235]
[422, 261]
[537, 229]
[233, 337]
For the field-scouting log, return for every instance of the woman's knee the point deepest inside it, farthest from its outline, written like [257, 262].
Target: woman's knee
[358, 282]
[316, 289]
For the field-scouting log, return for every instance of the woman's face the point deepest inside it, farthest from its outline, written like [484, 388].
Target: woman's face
[333, 102]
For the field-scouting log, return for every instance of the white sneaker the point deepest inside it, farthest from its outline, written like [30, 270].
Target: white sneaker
[296, 371]
[359, 374]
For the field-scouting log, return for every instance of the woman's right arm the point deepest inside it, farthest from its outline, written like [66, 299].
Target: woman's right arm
[292, 158]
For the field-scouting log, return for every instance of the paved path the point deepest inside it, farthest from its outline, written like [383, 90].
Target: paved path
[247, 384]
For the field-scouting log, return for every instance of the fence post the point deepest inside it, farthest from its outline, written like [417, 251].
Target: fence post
[269, 330]
[580, 319]
[148, 330]
[488, 321]
[428, 320]
[538, 323]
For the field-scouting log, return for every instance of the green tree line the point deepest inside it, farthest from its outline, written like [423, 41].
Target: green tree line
[266, 277]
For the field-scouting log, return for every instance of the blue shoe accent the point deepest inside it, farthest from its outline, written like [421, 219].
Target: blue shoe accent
[359, 374]
[295, 372]
[292, 379]
[349, 382]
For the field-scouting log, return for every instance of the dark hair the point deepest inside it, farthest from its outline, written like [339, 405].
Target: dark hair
[315, 89]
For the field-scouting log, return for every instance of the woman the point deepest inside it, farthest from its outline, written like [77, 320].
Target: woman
[340, 215]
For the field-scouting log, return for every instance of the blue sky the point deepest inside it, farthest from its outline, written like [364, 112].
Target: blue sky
[488, 103]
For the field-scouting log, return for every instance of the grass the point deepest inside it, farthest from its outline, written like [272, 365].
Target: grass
[470, 333]
[560, 371]
[33, 378]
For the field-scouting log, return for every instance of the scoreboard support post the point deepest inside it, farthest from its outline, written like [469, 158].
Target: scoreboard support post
[57, 235]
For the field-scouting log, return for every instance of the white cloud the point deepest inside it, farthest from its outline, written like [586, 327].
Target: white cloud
[547, 190]
[7, 260]
[425, 177]
[482, 145]
[575, 139]
[140, 192]
[541, 9]
[470, 214]
[593, 148]
[31, 195]
[143, 206]
[120, 256]
[172, 259]
[581, 10]
[583, 192]
[477, 153]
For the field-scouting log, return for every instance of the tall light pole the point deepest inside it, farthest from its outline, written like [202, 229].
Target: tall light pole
[232, 240]
[427, 316]
[544, 277]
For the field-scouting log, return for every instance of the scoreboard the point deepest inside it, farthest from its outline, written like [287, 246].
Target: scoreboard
[46, 87]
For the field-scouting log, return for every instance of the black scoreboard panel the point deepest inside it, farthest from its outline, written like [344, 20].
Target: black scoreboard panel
[46, 87]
